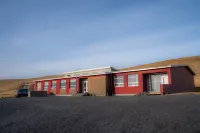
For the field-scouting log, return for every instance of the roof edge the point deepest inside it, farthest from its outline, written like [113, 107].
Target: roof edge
[91, 69]
[151, 68]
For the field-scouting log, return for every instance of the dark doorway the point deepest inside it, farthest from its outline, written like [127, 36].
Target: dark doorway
[83, 85]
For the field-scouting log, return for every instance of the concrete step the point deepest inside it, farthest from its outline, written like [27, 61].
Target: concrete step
[78, 94]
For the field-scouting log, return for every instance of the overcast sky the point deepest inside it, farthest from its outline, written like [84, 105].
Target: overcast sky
[45, 37]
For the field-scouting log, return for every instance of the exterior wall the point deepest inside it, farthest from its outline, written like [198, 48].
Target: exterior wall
[129, 89]
[73, 91]
[42, 85]
[67, 87]
[52, 90]
[62, 91]
[182, 80]
[140, 88]
[57, 90]
[49, 87]
[109, 84]
[197, 81]
[36, 85]
[97, 85]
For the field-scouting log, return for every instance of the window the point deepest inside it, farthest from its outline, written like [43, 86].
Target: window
[133, 80]
[164, 79]
[25, 87]
[46, 85]
[119, 81]
[39, 86]
[54, 84]
[63, 84]
[73, 83]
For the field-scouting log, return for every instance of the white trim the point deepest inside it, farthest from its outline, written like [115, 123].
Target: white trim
[63, 88]
[120, 84]
[69, 77]
[116, 71]
[72, 85]
[107, 67]
[150, 68]
[133, 76]
[47, 79]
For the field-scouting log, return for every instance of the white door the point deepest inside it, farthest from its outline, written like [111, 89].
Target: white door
[85, 86]
[154, 83]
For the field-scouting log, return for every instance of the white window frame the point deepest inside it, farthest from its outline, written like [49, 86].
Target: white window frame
[46, 85]
[54, 81]
[120, 84]
[164, 79]
[39, 85]
[72, 85]
[132, 77]
[64, 86]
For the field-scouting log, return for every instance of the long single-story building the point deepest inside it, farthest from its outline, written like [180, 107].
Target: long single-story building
[110, 81]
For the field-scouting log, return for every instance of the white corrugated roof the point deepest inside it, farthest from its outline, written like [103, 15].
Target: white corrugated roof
[133, 70]
[150, 68]
[91, 69]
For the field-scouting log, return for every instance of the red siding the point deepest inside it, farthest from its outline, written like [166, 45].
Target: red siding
[58, 86]
[180, 79]
[129, 90]
[33, 87]
[67, 86]
[77, 85]
[49, 87]
[42, 85]
[36, 86]
[140, 88]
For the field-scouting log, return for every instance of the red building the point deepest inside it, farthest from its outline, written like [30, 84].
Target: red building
[110, 81]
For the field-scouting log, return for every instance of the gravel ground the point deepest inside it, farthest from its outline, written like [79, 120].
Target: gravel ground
[145, 114]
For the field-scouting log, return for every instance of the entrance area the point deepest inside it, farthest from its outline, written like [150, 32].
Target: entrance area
[153, 82]
[84, 85]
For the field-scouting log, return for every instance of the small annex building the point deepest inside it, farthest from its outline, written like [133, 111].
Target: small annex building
[110, 81]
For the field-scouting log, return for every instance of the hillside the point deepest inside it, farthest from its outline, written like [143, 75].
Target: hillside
[7, 87]
[193, 62]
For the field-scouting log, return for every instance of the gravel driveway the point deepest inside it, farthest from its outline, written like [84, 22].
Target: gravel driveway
[145, 114]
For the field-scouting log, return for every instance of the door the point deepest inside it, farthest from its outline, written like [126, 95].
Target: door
[85, 86]
[154, 81]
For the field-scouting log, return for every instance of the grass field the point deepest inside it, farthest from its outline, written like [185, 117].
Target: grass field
[7, 87]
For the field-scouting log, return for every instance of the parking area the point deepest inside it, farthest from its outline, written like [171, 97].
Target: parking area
[169, 113]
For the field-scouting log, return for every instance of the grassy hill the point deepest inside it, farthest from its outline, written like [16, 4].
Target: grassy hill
[193, 62]
[8, 86]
